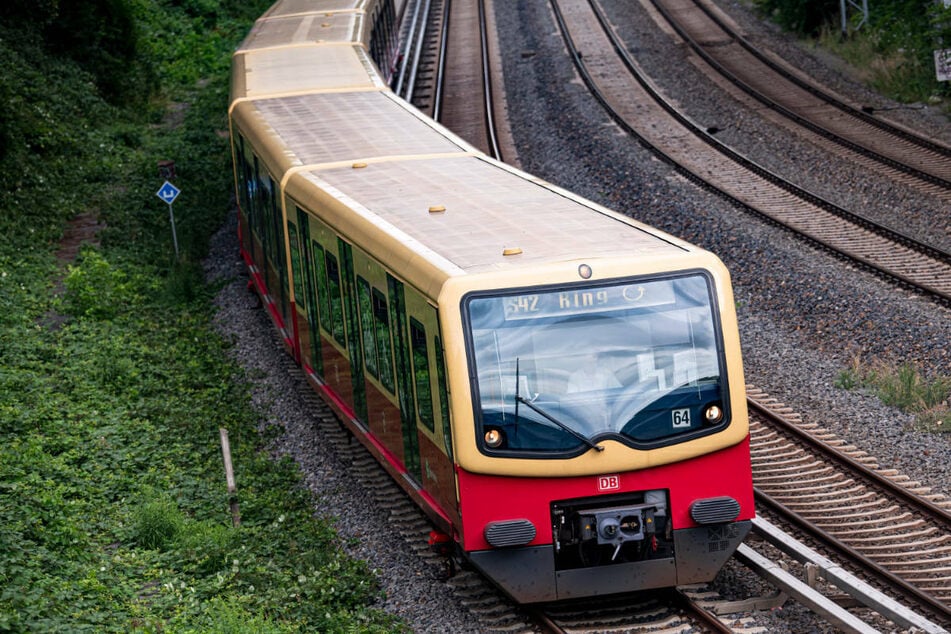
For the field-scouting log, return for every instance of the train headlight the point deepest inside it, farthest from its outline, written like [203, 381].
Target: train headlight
[713, 414]
[494, 438]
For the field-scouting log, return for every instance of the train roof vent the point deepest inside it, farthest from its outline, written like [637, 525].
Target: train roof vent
[509, 533]
[715, 510]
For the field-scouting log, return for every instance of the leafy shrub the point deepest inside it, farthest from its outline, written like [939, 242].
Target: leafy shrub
[805, 17]
[892, 52]
[230, 617]
[102, 37]
[128, 396]
[96, 289]
[156, 524]
[207, 545]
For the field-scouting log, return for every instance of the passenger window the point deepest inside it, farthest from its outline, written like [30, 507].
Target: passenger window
[296, 265]
[424, 394]
[443, 395]
[336, 299]
[323, 292]
[367, 327]
[381, 319]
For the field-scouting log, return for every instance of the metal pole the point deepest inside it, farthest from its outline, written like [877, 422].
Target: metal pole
[171, 218]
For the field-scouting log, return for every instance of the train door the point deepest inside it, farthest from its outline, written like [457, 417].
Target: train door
[244, 186]
[306, 350]
[256, 224]
[331, 337]
[404, 384]
[351, 315]
[310, 350]
[428, 378]
[278, 278]
[376, 336]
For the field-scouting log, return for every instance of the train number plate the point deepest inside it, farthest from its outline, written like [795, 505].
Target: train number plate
[680, 418]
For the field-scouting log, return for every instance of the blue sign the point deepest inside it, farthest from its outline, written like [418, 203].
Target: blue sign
[168, 192]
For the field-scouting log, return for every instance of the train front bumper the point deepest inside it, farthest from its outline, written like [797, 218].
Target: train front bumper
[528, 574]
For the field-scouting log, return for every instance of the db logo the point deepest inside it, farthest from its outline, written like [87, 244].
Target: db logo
[609, 482]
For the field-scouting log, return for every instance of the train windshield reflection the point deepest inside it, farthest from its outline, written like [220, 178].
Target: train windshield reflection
[638, 361]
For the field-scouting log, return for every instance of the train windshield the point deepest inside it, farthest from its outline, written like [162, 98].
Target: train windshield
[557, 370]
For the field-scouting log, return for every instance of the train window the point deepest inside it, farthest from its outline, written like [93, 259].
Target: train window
[381, 320]
[640, 361]
[424, 392]
[266, 217]
[241, 168]
[319, 267]
[335, 298]
[256, 200]
[367, 327]
[443, 395]
[296, 265]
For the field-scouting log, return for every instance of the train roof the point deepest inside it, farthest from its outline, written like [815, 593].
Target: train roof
[281, 71]
[412, 164]
[283, 8]
[304, 29]
[481, 216]
[295, 48]
[335, 127]
[314, 111]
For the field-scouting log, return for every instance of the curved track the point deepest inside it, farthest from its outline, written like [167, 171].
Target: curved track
[631, 100]
[895, 531]
[779, 88]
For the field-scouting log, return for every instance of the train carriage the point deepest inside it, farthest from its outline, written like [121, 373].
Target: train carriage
[556, 385]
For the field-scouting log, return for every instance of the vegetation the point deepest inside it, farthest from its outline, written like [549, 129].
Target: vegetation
[113, 511]
[893, 52]
[904, 387]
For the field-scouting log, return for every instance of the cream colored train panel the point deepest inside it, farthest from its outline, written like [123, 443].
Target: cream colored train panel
[287, 71]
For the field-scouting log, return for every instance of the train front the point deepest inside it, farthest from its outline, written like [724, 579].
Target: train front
[609, 445]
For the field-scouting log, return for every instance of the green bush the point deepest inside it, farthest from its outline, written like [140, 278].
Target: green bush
[805, 17]
[892, 52]
[113, 514]
[156, 524]
[97, 289]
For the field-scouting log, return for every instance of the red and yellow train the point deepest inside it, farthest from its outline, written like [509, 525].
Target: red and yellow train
[557, 386]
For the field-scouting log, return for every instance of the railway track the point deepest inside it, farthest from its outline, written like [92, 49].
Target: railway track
[452, 78]
[674, 610]
[890, 528]
[640, 110]
[898, 150]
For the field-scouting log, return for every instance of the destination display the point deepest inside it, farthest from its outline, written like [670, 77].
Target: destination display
[589, 300]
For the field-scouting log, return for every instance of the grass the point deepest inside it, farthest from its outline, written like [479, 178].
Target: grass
[906, 388]
[114, 514]
[893, 71]
[891, 51]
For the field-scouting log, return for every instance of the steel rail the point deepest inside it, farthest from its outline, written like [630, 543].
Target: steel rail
[880, 229]
[494, 149]
[441, 67]
[935, 607]
[830, 99]
[884, 232]
[705, 617]
[934, 512]
[793, 116]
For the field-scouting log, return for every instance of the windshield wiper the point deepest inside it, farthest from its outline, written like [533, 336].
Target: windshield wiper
[567, 428]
